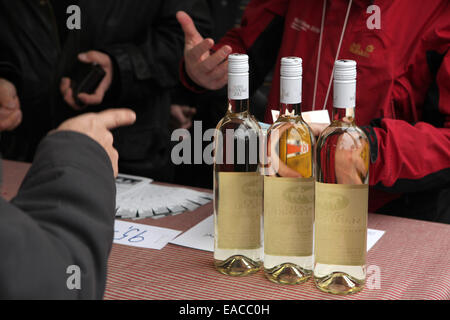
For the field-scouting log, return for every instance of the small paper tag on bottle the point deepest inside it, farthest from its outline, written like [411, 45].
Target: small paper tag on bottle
[341, 224]
[288, 216]
[239, 210]
[318, 116]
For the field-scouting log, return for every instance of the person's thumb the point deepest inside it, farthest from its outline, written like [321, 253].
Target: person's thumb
[114, 118]
[191, 35]
[89, 57]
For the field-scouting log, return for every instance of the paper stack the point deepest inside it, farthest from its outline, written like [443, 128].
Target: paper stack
[138, 198]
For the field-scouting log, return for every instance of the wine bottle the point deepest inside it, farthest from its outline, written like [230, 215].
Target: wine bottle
[341, 192]
[289, 185]
[238, 184]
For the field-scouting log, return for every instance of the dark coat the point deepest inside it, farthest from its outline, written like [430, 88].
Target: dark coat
[145, 42]
[62, 216]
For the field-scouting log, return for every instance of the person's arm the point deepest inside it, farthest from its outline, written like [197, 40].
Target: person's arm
[63, 215]
[416, 157]
[259, 36]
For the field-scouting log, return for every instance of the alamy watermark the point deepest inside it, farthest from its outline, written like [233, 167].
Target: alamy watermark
[73, 282]
[230, 146]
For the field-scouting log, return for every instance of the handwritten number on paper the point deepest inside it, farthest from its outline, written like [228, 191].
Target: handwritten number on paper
[131, 235]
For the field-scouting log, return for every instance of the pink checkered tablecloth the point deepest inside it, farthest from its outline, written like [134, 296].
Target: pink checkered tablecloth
[412, 257]
[413, 260]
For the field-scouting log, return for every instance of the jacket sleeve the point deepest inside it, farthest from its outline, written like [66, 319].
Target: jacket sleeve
[9, 72]
[416, 157]
[258, 36]
[63, 216]
[155, 59]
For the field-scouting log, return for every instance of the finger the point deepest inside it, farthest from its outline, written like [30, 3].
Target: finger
[188, 111]
[197, 52]
[187, 125]
[114, 118]
[10, 104]
[18, 120]
[219, 72]
[93, 57]
[191, 35]
[12, 121]
[178, 114]
[91, 99]
[68, 98]
[114, 157]
[64, 85]
[359, 161]
[214, 60]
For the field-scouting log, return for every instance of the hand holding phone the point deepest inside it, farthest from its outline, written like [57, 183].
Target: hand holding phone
[89, 80]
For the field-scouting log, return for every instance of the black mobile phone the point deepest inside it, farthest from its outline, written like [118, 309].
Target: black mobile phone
[85, 78]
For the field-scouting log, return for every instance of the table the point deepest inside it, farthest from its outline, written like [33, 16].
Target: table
[413, 258]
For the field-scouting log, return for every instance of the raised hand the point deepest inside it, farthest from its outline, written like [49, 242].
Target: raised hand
[10, 113]
[207, 69]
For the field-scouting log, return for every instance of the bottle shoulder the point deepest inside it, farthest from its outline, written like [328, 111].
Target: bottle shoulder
[242, 120]
[338, 128]
[342, 137]
[295, 125]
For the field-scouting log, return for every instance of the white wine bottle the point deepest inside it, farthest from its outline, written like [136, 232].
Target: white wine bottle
[341, 192]
[289, 185]
[238, 184]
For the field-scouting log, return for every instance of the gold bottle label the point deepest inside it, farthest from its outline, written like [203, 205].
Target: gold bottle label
[288, 216]
[341, 224]
[239, 210]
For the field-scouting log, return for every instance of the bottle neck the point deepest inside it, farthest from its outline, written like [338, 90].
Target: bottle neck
[238, 93]
[290, 109]
[290, 96]
[344, 99]
[238, 106]
[346, 115]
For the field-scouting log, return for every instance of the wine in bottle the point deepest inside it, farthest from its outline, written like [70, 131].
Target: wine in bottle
[238, 184]
[289, 185]
[341, 192]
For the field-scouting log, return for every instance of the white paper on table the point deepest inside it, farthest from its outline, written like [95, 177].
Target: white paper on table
[141, 235]
[201, 236]
[155, 201]
[128, 184]
[372, 237]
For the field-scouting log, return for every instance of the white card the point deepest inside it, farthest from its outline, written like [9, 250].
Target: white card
[275, 114]
[318, 116]
[199, 237]
[372, 237]
[141, 235]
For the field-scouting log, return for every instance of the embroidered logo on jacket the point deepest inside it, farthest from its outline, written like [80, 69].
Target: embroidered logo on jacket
[355, 48]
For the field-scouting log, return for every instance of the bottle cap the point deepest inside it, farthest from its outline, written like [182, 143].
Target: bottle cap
[291, 67]
[238, 63]
[345, 70]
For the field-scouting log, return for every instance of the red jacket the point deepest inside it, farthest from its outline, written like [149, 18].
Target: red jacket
[403, 82]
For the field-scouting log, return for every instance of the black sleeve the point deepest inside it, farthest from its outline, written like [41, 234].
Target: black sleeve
[9, 72]
[62, 216]
[156, 59]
